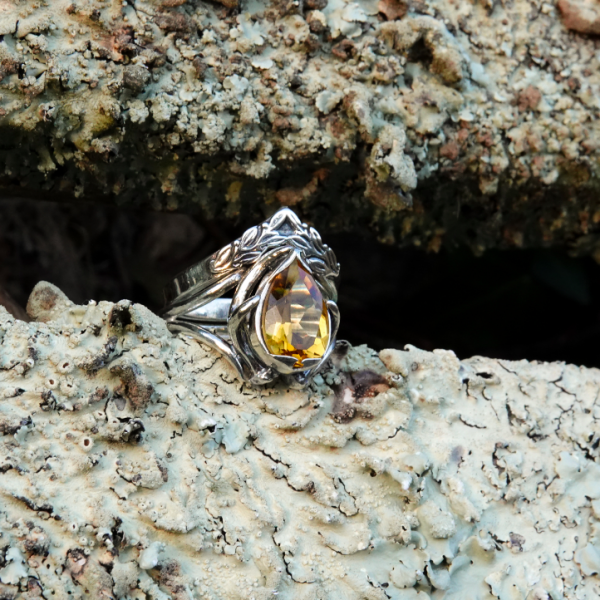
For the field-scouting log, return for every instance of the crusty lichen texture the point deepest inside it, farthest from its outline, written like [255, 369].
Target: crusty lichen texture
[430, 120]
[134, 465]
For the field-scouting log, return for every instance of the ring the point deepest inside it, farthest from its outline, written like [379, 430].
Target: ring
[267, 301]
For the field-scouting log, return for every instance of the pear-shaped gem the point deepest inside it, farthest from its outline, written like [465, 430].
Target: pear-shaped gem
[295, 320]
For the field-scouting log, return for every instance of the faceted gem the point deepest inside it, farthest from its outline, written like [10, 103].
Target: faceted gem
[295, 320]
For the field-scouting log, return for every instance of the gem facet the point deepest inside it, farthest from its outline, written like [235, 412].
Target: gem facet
[295, 320]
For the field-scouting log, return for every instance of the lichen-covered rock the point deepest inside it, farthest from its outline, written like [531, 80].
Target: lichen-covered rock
[581, 15]
[47, 302]
[410, 475]
[432, 121]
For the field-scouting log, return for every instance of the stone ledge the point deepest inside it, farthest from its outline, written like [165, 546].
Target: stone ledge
[133, 464]
[433, 122]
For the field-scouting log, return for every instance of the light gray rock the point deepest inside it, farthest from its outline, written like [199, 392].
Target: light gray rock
[47, 302]
[134, 465]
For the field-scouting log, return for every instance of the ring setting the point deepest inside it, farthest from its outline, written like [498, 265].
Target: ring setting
[281, 319]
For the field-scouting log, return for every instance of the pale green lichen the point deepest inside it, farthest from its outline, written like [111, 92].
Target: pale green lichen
[133, 464]
[431, 120]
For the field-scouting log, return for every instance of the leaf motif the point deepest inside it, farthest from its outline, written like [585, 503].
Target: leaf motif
[223, 258]
[315, 237]
[317, 265]
[246, 258]
[285, 230]
[332, 265]
[251, 237]
[301, 243]
[271, 239]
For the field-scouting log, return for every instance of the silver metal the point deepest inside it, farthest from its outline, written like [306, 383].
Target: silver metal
[195, 305]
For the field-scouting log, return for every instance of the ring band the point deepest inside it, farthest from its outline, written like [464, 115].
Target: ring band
[282, 318]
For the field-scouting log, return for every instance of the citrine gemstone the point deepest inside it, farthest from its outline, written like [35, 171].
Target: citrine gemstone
[295, 320]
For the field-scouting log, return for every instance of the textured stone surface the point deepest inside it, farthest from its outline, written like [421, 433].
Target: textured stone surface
[581, 15]
[430, 121]
[133, 465]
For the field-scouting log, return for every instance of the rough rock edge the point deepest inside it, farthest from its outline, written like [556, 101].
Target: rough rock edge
[489, 108]
[410, 475]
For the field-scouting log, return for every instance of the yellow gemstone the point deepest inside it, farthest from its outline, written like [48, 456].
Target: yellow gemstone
[295, 320]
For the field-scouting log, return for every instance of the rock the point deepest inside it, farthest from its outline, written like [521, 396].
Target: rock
[393, 9]
[135, 78]
[200, 106]
[47, 302]
[408, 474]
[582, 16]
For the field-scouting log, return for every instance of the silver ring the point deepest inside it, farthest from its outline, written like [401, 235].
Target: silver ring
[282, 318]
